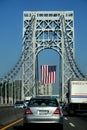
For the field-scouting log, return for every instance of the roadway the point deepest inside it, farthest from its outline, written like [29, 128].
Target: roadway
[78, 122]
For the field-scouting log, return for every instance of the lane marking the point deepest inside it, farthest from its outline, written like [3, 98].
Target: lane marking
[4, 128]
[72, 124]
[65, 118]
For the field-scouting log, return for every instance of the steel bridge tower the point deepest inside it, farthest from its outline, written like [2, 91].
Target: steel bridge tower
[41, 30]
[47, 30]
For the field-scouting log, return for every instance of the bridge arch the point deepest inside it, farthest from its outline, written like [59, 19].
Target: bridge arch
[55, 48]
[50, 57]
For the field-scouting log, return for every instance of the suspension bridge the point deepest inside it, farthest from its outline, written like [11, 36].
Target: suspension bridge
[41, 30]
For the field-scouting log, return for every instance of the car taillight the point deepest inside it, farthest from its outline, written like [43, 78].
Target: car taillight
[57, 111]
[28, 111]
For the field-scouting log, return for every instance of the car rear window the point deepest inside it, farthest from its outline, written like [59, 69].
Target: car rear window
[43, 102]
[19, 102]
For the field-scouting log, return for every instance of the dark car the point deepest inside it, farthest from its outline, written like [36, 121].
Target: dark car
[43, 109]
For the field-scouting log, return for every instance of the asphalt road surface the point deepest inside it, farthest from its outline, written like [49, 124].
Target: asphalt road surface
[78, 122]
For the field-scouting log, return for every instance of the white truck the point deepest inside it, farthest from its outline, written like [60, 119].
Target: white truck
[77, 96]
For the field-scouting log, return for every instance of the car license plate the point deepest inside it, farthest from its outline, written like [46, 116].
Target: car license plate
[43, 112]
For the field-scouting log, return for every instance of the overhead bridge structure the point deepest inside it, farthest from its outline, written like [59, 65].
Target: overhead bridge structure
[45, 30]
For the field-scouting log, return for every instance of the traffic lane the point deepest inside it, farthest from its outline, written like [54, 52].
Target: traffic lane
[70, 123]
[18, 125]
[9, 114]
[77, 122]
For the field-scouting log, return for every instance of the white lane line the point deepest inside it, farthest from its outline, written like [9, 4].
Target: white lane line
[72, 124]
[65, 118]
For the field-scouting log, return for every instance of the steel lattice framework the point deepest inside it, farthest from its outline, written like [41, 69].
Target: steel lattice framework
[45, 30]
[53, 30]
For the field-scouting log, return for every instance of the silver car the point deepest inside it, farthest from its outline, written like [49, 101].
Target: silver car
[43, 109]
[19, 104]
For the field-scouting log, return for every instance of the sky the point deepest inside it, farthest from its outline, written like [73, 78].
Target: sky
[11, 29]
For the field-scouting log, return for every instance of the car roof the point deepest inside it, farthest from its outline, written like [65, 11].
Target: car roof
[43, 97]
[19, 102]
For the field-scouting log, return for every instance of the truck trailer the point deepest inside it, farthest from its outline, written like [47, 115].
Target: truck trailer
[77, 96]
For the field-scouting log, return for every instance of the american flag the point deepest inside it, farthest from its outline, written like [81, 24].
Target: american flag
[48, 74]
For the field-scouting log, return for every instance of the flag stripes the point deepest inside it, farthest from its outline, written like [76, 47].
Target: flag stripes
[48, 74]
